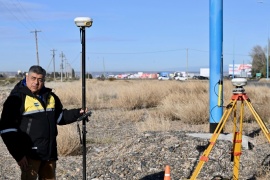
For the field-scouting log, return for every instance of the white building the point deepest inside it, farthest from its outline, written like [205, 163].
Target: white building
[240, 70]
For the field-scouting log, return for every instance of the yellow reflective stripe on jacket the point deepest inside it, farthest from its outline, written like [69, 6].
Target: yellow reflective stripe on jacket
[32, 105]
[50, 103]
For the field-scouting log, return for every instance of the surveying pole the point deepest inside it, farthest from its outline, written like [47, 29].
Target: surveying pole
[83, 22]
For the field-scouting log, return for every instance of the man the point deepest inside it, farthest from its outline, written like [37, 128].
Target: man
[29, 122]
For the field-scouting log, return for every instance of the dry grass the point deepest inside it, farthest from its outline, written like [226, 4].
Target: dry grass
[156, 105]
[153, 124]
[153, 105]
[68, 141]
[189, 105]
[186, 101]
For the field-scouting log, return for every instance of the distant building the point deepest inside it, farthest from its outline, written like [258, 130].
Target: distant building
[240, 70]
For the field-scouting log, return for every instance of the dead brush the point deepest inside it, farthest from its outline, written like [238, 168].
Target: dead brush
[151, 103]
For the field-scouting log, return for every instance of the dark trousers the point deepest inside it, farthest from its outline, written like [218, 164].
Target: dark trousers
[43, 170]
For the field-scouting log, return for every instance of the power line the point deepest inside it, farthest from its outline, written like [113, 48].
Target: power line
[145, 52]
[18, 11]
[22, 11]
[6, 6]
[161, 51]
[29, 19]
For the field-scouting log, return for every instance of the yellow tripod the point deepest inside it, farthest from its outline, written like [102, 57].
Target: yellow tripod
[239, 95]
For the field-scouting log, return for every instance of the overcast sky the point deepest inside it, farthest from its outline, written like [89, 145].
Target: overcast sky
[128, 35]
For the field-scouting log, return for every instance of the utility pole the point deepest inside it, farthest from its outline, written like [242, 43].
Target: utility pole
[62, 56]
[69, 72]
[267, 56]
[89, 69]
[81, 66]
[53, 50]
[67, 68]
[103, 68]
[36, 44]
[187, 64]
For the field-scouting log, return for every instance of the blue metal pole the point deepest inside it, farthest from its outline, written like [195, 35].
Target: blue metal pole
[267, 64]
[233, 59]
[216, 62]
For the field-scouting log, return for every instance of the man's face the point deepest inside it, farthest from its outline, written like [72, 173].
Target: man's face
[35, 82]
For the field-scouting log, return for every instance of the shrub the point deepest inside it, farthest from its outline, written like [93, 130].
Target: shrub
[68, 141]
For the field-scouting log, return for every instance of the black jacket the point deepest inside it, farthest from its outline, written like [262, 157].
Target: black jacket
[28, 124]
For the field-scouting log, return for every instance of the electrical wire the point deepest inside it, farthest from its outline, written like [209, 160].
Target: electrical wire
[145, 52]
[24, 13]
[161, 51]
[21, 10]
[9, 10]
[25, 17]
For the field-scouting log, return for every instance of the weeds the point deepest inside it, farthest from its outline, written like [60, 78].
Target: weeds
[150, 104]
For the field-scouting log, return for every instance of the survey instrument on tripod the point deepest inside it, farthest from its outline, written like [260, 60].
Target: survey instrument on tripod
[240, 96]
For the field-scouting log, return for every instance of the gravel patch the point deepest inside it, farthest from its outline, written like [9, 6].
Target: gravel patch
[144, 156]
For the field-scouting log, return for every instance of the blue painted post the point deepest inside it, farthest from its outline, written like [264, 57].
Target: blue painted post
[233, 60]
[216, 62]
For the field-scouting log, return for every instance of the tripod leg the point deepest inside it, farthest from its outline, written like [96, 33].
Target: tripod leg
[234, 127]
[234, 119]
[236, 154]
[259, 120]
[237, 144]
[204, 158]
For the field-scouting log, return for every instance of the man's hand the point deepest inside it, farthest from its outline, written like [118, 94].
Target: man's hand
[83, 111]
[85, 115]
[23, 163]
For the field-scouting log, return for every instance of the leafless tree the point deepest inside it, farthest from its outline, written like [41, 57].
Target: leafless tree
[258, 55]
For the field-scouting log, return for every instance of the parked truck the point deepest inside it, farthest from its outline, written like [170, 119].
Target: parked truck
[204, 73]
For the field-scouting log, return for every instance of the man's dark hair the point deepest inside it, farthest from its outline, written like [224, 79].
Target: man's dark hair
[37, 69]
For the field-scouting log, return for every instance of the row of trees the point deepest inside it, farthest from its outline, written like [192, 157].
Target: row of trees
[57, 75]
[63, 74]
[259, 60]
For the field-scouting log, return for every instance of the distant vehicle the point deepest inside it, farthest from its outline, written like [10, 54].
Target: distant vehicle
[178, 78]
[204, 72]
[111, 76]
[163, 76]
[200, 77]
[134, 76]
